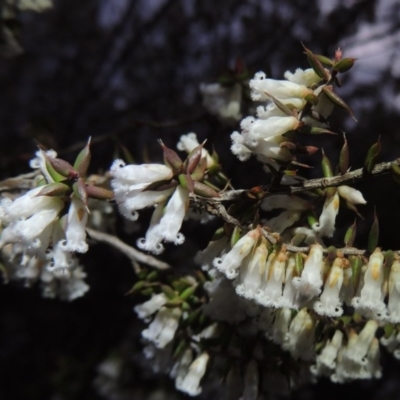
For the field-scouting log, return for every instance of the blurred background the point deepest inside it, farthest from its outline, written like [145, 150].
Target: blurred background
[127, 72]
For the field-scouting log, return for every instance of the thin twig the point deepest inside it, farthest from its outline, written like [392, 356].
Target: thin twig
[349, 177]
[130, 252]
[21, 182]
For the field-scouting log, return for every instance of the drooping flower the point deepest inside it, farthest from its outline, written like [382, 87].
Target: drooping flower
[190, 384]
[130, 181]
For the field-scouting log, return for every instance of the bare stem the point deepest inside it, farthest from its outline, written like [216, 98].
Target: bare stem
[130, 252]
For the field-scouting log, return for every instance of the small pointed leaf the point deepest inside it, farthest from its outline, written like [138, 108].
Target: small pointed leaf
[171, 158]
[373, 236]
[356, 265]
[372, 156]
[344, 157]
[350, 235]
[316, 64]
[204, 190]
[337, 100]
[193, 159]
[235, 235]
[83, 160]
[344, 65]
[99, 193]
[54, 189]
[326, 166]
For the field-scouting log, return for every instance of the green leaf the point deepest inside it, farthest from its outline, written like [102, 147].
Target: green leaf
[326, 166]
[299, 264]
[344, 157]
[373, 236]
[324, 60]
[350, 235]
[372, 156]
[82, 161]
[344, 65]
[356, 265]
[235, 235]
[316, 64]
[396, 172]
[337, 100]
[186, 181]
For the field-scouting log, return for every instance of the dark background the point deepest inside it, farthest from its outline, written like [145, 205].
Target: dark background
[127, 72]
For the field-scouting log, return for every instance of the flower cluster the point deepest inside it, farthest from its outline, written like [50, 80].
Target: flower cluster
[166, 186]
[264, 136]
[275, 278]
[37, 241]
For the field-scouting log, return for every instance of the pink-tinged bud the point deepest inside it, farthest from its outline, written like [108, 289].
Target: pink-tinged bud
[62, 167]
[171, 159]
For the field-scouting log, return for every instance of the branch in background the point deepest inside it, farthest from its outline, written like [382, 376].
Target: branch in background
[130, 252]
[21, 182]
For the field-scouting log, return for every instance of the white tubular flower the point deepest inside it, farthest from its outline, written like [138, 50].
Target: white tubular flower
[255, 130]
[223, 102]
[290, 298]
[280, 329]
[238, 148]
[260, 85]
[76, 228]
[351, 195]
[326, 224]
[251, 381]
[150, 306]
[74, 286]
[250, 275]
[180, 368]
[205, 257]
[167, 228]
[394, 293]
[326, 361]
[310, 282]
[162, 330]
[39, 162]
[284, 220]
[301, 336]
[129, 181]
[271, 293]
[33, 232]
[27, 205]
[225, 304]
[358, 350]
[373, 367]
[370, 302]
[189, 142]
[190, 384]
[306, 77]
[229, 263]
[329, 303]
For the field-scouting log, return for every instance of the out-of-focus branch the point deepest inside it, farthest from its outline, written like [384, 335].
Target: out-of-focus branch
[130, 252]
[21, 182]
